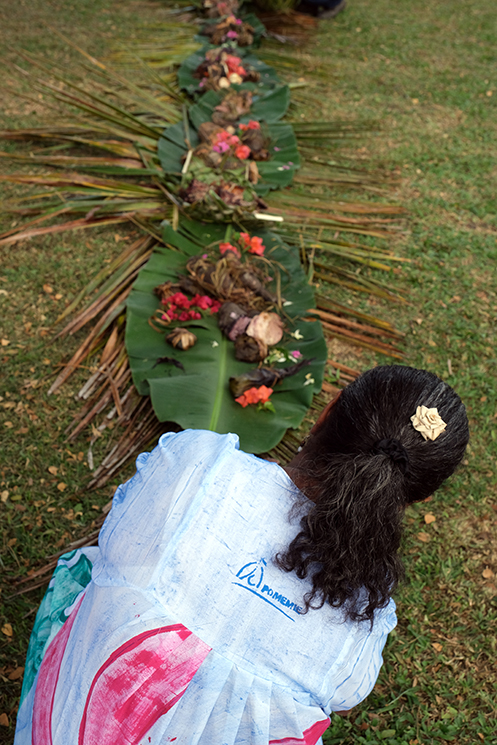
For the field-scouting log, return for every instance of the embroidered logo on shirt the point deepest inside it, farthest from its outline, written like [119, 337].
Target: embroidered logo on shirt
[251, 578]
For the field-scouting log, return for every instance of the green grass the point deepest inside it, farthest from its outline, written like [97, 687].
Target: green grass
[423, 70]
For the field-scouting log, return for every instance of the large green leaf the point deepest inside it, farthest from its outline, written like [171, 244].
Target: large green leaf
[275, 173]
[251, 18]
[268, 106]
[188, 82]
[198, 396]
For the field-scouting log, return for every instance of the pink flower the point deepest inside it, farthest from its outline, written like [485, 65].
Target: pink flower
[296, 354]
[238, 21]
[221, 147]
[233, 140]
[242, 152]
[232, 35]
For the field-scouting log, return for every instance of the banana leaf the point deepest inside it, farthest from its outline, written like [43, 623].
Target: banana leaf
[198, 396]
[275, 173]
[268, 106]
[250, 18]
[188, 82]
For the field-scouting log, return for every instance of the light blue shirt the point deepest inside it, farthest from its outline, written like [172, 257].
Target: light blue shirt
[190, 540]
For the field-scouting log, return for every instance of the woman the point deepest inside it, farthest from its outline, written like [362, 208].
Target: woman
[232, 600]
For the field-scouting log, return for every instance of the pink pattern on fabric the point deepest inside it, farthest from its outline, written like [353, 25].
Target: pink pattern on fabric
[46, 684]
[139, 683]
[310, 735]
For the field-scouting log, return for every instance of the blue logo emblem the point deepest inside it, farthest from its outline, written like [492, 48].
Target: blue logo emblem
[251, 578]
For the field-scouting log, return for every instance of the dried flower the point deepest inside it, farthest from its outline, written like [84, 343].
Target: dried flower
[181, 338]
[428, 422]
[266, 327]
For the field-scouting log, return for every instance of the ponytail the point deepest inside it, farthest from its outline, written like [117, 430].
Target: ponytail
[367, 462]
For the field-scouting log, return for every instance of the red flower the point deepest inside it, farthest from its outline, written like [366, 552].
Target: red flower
[223, 247]
[233, 140]
[251, 125]
[245, 240]
[233, 63]
[202, 301]
[242, 152]
[222, 136]
[256, 246]
[254, 396]
[180, 300]
[216, 304]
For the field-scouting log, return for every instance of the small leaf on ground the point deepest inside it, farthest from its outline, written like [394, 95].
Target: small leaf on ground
[4, 720]
[7, 629]
[16, 674]
[424, 537]
[53, 470]
[429, 518]
[61, 486]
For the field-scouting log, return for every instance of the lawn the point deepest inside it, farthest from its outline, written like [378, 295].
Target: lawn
[425, 73]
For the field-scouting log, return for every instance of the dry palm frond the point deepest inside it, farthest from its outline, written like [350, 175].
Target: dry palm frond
[118, 178]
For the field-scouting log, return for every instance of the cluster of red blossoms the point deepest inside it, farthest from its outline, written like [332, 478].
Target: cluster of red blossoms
[253, 245]
[252, 124]
[255, 396]
[224, 141]
[179, 308]
[234, 66]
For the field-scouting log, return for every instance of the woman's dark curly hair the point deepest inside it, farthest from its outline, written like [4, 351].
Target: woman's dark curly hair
[369, 463]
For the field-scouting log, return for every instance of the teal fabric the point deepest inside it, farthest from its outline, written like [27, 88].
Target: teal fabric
[71, 576]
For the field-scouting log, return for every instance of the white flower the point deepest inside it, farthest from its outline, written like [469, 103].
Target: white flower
[309, 380]
[297, 335]
[287, 302]
[428, 422]
[214, 344]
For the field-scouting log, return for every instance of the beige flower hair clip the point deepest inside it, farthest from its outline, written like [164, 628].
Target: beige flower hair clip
[428, 422]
